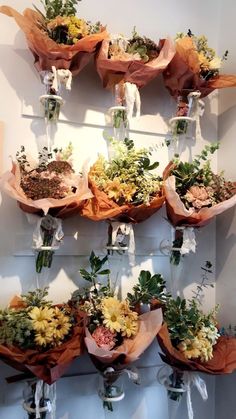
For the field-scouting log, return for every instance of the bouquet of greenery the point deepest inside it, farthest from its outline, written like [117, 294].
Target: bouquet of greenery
[124, 187]
[50, 188]
[194, 193]
[39, 338]
[116, 334]
[190, 341]
[56, 36]
[137, 60]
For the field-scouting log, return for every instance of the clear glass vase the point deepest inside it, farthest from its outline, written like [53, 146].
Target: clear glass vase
[118, 113]
[39, 399]
[186, 113]
[51, 106]
[111, 388]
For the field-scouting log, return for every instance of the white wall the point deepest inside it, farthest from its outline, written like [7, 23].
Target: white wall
[226, 223]
[83, 124]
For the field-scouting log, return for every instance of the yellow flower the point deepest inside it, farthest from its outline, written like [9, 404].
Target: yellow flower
[128, 191]
[129, 327]
[215, 63]
[40, 317]
[98, 169]
[112, 314]
[77, 28]
[204, 63]
[61, 327]
[44, 337]
[113, 189]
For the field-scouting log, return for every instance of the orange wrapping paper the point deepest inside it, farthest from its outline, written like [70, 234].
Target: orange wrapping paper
[182, 74]
[100, 207]
[131, 348]
[112, 72]
[62, 208]
[48, 53]
[179, 215]
[223, 361]
[49, 365]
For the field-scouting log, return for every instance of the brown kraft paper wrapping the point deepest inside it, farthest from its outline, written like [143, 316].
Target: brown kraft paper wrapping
[101, 207]
[182, 74]
[223, 361]
[179, 215]
[48, 53]
[112, 72]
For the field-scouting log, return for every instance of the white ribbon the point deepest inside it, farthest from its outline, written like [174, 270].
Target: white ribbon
[133, 374]
[189, 378]
[37, 397]
[61, 77]
[196, 108]
[132, 97]
[189, 241]
[126, 229]
[45, 391]
[37, 242]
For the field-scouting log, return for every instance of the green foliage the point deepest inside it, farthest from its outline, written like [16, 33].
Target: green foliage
[15, 325]
[181, 320]
[199, 293]
[195, 173]
[149, 287]
[185, 317]
[36, 298]
[54, 8]
[15, 328]
[91, 276]
[145, 47]
[131, 167]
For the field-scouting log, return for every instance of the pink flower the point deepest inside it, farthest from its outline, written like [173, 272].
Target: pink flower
[199, 196]
[104, 338]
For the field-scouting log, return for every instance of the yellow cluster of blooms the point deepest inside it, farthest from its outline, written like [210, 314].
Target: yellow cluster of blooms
[50, 324]
[207, 57]
[201, 345]
[118, 317]
[117, 190]
[76, 28]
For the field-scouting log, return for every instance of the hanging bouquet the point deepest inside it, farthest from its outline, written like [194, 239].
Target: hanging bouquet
[124, 187]
[195, 66]
[134, 62]
[39, 338]
[194, 193]
[57, 37]
[193, 72]
[190, 341]
[62, 45]
[116, 334]
[49, 188]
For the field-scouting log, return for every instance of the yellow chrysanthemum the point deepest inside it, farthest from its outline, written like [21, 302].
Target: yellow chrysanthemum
[114, 189]
[44, 337]
[61, 327]
[77, 28]
[40, 317]
[198, 347]
[129, 327]
[204, 62]
[109, 302]
[128, 191]
[112, 314]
